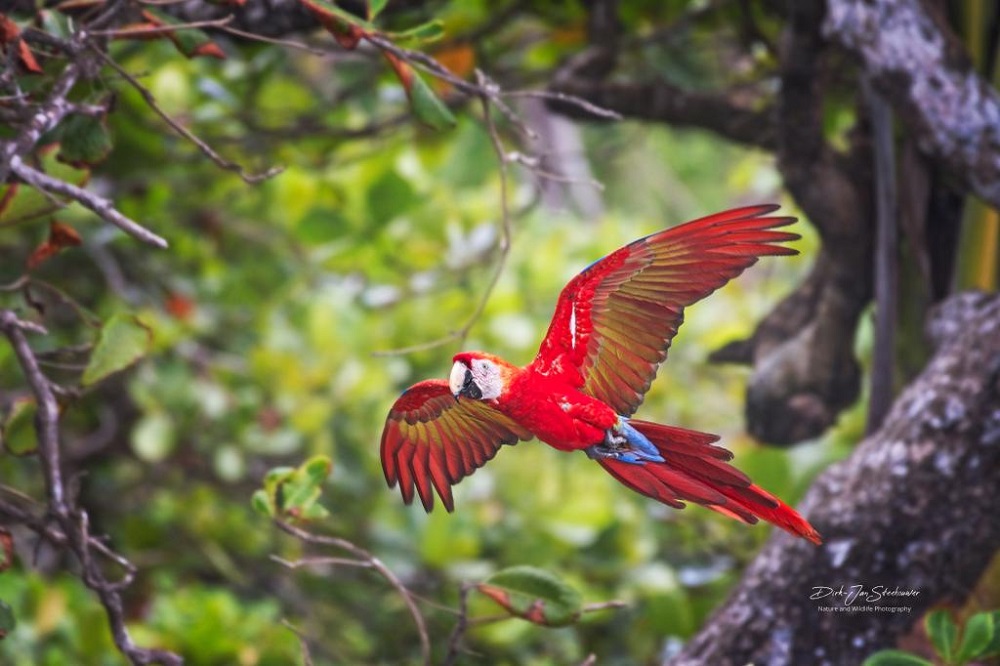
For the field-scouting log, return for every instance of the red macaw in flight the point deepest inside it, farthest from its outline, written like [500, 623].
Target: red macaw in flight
[612, 327]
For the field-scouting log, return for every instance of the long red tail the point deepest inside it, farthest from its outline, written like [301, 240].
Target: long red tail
[696, 470]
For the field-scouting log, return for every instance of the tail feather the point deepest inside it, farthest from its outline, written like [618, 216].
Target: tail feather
[694, 470]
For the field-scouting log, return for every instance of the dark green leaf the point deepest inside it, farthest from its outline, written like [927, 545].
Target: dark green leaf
[895, 658]
[534, 595]
[122, 342]
[427, 106]
[942, 631]
[85, 140]
[421, 34]
[390, 196]
[976, 636]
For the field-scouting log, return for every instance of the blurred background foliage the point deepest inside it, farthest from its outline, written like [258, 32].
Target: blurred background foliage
[275, 314]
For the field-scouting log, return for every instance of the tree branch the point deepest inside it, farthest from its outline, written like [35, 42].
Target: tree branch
[99, 205]
[72, 521]
[913, 508]
[922, 69]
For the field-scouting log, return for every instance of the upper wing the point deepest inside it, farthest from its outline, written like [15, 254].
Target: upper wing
[615, 320]
[432, 439]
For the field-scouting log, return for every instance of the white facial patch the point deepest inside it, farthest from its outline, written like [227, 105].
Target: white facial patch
[486, 375]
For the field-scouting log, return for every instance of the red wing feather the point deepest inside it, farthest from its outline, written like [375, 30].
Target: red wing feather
[431, 441]
[614, 321]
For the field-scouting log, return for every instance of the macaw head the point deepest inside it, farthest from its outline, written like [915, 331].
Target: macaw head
[477, 376]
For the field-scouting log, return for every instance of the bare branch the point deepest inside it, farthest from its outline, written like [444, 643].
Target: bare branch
[72, 521]
[99, 205]
[374, 563]
[206, 150]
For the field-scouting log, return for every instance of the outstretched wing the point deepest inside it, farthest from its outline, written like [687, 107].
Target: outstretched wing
[431, 439]
[614, 321]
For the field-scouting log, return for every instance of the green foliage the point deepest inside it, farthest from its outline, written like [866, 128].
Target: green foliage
[294, 493]
[979, 639]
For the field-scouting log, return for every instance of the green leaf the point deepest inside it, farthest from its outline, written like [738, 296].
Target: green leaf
[294, 492]
[895, 658]
[430, 31]
[7, 619]
[534, 595]
[942, 631]
[85, 140]
[427, 106]
[17, 428]
[375, 8]
[389, 196]
[302, 489]
[262, 504]
[976, 636]
[122, 342]
[993, 648]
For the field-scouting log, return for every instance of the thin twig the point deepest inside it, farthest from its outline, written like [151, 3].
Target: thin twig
[462, 333]
[206, 150]
[162, 29]
[461, 625]
[292, 44]
[376, 564]
[303, 644]
[566, 98]
[99, 205]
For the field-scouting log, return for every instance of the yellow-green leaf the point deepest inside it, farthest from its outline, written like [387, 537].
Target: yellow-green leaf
[122, 342]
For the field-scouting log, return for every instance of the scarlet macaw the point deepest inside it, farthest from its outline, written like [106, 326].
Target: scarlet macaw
[612, 327]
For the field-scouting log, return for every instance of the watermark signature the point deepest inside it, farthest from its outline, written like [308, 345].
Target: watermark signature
[861, 598]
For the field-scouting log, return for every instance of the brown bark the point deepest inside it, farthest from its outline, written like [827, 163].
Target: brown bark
[914, 507]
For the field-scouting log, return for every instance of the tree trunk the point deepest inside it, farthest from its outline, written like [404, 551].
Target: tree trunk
[913, 509]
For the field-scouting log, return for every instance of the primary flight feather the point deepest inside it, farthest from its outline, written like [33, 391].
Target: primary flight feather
[611, 330]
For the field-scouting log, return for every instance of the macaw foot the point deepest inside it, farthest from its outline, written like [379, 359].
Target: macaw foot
[624, 443]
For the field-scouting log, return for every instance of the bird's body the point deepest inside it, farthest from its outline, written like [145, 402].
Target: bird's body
[611, 330]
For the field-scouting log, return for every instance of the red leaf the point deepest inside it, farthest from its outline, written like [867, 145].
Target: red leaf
[140, 31]
[347, 36]
[62, 235]
[210, 49]
[402, 70]
[41, 253]
[179, 307]
[9, 33]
